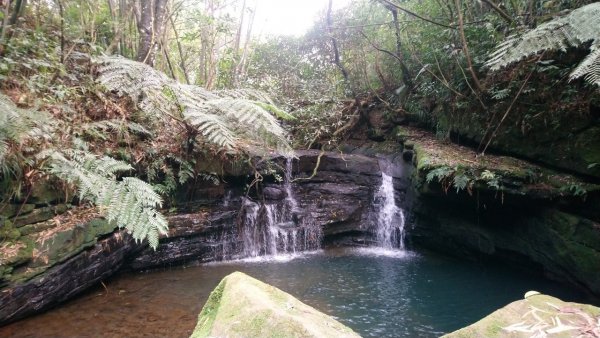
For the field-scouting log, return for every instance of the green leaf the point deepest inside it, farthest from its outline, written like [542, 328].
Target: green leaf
[461, 181]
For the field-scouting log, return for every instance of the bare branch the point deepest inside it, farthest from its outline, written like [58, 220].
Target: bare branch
[499, 10]
[389, 3]
[465, 47]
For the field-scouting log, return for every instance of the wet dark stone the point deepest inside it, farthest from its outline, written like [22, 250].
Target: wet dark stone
[336, 162]
[193, 237]
[67, 279]
[273, 193]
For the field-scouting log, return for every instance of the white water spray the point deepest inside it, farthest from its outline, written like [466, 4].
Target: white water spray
[277, 229]
[390, 218]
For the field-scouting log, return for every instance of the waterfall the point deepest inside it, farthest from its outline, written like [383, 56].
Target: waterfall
[389, 227]
[278, 228]
[287, 185]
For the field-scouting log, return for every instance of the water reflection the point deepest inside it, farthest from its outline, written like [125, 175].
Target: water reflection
[377, 293]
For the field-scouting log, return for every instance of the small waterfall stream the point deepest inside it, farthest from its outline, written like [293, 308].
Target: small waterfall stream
[278, 228]
[389, 220]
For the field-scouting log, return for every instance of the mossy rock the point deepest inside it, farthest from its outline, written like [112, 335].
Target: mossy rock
[36, 227]
[45, 193]
[21, 254]
[8, 231]
[536, 316]
[65, 243]
[14, 254]
[566, 242]
[400, 134]
[515, 177]
[40, 215]
[10, 210]
[241, 306]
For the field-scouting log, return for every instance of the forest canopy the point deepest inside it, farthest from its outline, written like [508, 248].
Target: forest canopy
[122, 103]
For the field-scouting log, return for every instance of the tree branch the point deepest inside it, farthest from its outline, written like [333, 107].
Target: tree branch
[511, 106]
[336, 52]
[389, 3]
[499, 10]
[465, 47]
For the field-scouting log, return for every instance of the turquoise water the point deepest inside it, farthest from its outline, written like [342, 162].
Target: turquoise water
[391, 295]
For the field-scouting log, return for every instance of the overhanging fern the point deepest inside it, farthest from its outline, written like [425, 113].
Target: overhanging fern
[129, 203]
[231, 119]
[580, 26]
[18, 125]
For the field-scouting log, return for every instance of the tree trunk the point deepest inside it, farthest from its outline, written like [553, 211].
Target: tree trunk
[236, 47]
[4, 26]
[406, 76]
[150, 26]
[8, 30]
[241, 66]
[180, 49]
[17, 11]
[336, 52]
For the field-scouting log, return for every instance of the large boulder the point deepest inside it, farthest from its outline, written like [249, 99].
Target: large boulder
[536, 316]
[241, 306]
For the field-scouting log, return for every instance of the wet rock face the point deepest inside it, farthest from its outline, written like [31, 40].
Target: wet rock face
[195, 237]
[338, 199]
[533, 218]
[67, 279]
[560, 245]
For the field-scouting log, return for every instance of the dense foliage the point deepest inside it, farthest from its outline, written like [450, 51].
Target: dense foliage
[75, 111]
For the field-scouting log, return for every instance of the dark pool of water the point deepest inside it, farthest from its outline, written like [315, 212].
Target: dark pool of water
[415, 295]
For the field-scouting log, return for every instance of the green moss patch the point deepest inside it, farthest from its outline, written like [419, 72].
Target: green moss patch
[241, 306]
[467, 169]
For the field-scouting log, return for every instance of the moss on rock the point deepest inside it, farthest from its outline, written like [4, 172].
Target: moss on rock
[491, 172]
[241, 306]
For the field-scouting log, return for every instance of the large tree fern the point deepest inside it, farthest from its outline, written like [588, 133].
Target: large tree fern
[579, 27]
[129, 203]
[231, 119]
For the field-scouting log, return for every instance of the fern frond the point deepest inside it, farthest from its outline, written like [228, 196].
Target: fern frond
[589, 68]
[18, 125]
[109, 167]
[3, 149]
[214, 127]
[232, 119]
[247, 113]
[580, 26]
[142, 192]
[244, 93]
[130, 203]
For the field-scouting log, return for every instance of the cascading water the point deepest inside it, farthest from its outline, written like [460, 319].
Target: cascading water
[278, 228]
[389, 227]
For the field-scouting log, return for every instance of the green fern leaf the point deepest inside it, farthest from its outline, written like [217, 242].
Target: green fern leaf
[580, 26]
[231, 119]
[129, 203]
